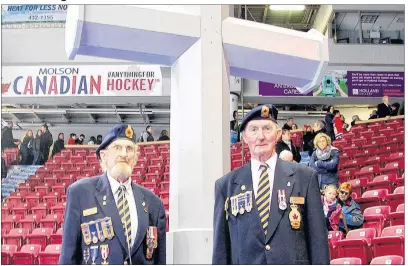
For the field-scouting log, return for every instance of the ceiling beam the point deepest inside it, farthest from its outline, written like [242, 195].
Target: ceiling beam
[265, 13]
[37, 117]
[15, 117]
[64, 117]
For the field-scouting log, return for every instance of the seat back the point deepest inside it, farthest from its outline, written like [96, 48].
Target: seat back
[381, 193]
[400, 208]
[31, 248]
[384, 210]
[399, 190]
[335, 236]
[396, 230]
[388, 260]
[367, 233]
[346, 261]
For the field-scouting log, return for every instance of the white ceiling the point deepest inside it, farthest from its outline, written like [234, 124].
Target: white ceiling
[387, 21]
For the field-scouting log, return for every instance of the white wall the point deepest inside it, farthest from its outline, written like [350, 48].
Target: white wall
[87, 130]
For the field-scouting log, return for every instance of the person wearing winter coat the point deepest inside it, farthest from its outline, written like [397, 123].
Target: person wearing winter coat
[26, 148]
[325, 160]
[328, 119]
[58, 144]
[37, 148]
[351, 210]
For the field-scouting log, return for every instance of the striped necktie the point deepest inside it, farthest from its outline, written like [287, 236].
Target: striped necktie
[124, 214]
[262, 199]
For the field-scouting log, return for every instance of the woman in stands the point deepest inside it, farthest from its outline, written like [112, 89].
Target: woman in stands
[294, 127]
[354, 119]
[351, 210]
[58, 144]
[164, 135]
[325, 160]
[37, 148]
[26, 148]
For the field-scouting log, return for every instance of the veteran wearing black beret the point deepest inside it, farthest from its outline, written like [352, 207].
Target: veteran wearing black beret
[268, 211]
[108, 218]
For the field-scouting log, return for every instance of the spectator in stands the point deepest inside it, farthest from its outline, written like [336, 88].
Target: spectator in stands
[287, 144]
[92, 140]
[394, 109]
[234, 125]
[164, 135]
[98, 140]
[26, 148]
[328, 119]
[354, 119]
[3, 170]
[331, 208]
[384, 108]
[288, 124]
[147, 135]
[37, 148]
[58, 144]
[7, 139]
[345, 125]
[72, 139]
[319, 126]
[325, 160]
[338, 125]
[373, 115]
[294, 127]
[286, 156]
[80, 140]
[114, 192]
[351, 210]
[242, 239]
[308, 138]
[46, 142]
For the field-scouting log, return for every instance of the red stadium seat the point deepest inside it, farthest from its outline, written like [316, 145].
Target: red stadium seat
[40, 236]
[397, 217]
[51, 198]
[376, 160]
[27, 255]
[393, 168]
[20, 209]
[5, 209]
[396, 198]
[359, 185]
[51, 221]
[16, 236]
[346, 261]
[57, 237]
[386, 132]
[376, 217]
[354, 163]
[391, 242]
[373, 127]
[7, 252]
[372, 198]
[14, 199]
[236, 164]
[388, 260]
[367, 134]
[9, 222]
[33, 198]
[347, 174]
[29, 222]
[334, 237]
[383, 182]
[368, 172]
[41, 210]
[357, 244]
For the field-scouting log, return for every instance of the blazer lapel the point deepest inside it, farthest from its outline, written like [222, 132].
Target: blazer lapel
[244, 178]
[142, 216]
[282, 181]
[104, 194]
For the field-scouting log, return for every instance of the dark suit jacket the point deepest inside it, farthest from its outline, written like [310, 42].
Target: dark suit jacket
[89, 193]
[280, 146]
[240, 239]
[383, 110]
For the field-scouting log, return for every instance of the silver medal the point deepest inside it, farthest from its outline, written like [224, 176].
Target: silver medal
[282, 205]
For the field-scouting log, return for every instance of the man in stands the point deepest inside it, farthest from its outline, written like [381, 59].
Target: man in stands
[80, 140]
[45, 143]
[384, 108]
[7, 139]
[351, 210]
[147, 135]
[268, 211]
[288, 124]
[287, 144]
[108, 218]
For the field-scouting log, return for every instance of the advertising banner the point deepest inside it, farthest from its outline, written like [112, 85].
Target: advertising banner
[341, 83]
[87, 80]
[33, 16]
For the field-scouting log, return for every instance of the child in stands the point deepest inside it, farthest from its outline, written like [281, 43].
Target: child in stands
[331, 208]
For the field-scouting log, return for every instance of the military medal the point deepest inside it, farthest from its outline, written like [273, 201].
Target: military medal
[86, 233]
[241, 203]
[94, 254]
[86, 255]
[105, 253]
[282, 199]
[108, 227]
[92, 228]
[295, 217]
[226, 209]
[99, 230]
[151, 241]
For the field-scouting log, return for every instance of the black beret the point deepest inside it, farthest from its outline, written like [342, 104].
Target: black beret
[261, 112]
[117, 132]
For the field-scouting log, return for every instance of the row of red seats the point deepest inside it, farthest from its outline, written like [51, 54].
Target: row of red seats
[389, 182]
[367, 159]
[361, 143]
[379, 197]
[383, 260]
[371, 171]
[365, 245]
[30, 254]
[37, 219]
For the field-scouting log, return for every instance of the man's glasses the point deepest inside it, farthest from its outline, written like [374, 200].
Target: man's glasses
[344, 192]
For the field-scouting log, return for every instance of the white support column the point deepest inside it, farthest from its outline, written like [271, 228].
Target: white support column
[199, 146]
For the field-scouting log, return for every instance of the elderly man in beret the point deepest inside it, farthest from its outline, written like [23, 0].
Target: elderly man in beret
[268, 211]
[108, 218]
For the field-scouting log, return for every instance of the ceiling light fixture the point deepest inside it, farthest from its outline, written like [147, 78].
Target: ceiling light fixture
[287, 7]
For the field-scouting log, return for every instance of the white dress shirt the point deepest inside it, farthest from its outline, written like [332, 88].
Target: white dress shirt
[256, 173]
[131, 202]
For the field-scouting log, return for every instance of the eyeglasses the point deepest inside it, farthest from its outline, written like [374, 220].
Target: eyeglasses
[344, 192]
[254, 130]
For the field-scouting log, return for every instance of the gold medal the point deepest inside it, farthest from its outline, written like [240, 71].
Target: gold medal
[295, 217]
[241, 210]
[226, 209]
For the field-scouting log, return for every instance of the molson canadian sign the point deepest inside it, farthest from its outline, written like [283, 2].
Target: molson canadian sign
[87, 80]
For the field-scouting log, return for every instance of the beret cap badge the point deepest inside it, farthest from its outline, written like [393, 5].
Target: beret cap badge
[129, 132]
[265, 111]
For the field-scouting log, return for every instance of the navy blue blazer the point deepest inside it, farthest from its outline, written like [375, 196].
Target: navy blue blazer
[89, 193]
[241, 240]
